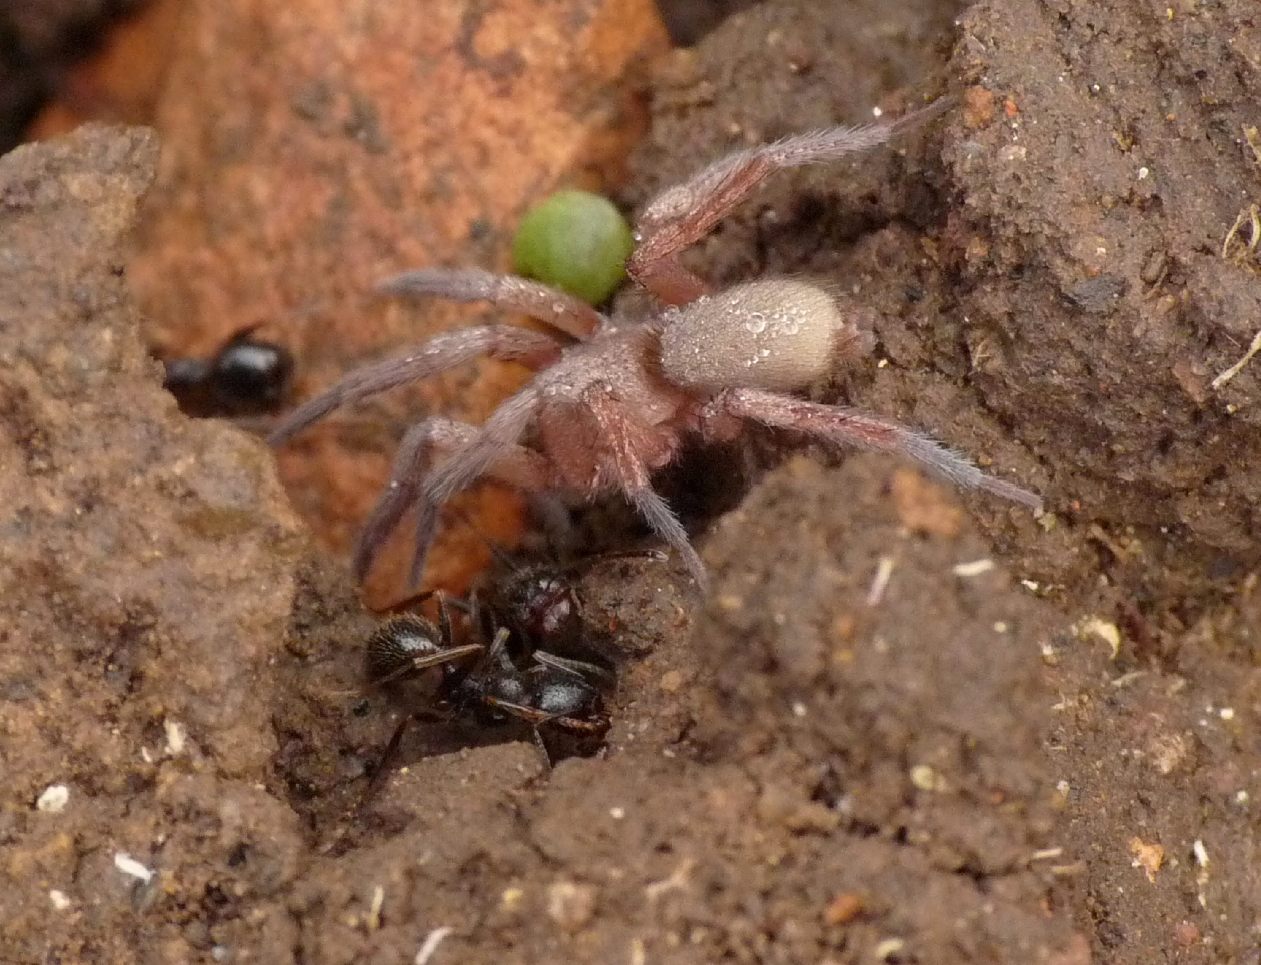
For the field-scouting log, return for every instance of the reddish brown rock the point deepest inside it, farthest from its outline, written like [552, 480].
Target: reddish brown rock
[146, 581]
[349, 146]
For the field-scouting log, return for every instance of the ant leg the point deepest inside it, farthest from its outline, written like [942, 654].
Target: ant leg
[444, 619]
[852, 427]
[496, 649]
[559, 309]
[541, 746]
[387, 758]
[682, 215]
[375, 782]
[582, 669]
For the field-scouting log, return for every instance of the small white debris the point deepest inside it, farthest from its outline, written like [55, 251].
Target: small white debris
[877, 112]
[1105, 631]
[799, 709]
[53, 799]
[1063, 787]
[617, 813]
[430, 945]
[1200, 852]
[1201, 876]
[1128, 678]
[975, 568]
[1031, 585]
[571, 904]
[59, 899]
[1142, 173]
[677, 881]
[638, 952]
[175, 737]
[130, 866]
[886, 949]
[1253, 348]
[374, 909]
[1046, 854]
[927, 779]
[884, 571]
[1226, 713]
[510, 898]
[1001, 626]
[1241, 797]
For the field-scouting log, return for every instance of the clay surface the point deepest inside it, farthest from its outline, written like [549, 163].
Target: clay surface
[905, 726]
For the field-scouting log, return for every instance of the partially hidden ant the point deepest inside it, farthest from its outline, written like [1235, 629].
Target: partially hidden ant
[540, 604]
[246, 376]
[545, 691]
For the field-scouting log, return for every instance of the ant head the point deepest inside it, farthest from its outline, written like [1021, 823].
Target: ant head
[542, 605]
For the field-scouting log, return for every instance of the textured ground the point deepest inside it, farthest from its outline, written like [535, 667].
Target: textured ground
[905, 726]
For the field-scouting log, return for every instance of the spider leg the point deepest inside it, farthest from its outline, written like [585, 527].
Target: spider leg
[685, 213]
[496, 439]
[617, 435]
[559, 309]
[439, 354]
[855, 428]
[518, 467]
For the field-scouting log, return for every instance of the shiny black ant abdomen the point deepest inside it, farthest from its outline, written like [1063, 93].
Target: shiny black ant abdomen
[246, 376]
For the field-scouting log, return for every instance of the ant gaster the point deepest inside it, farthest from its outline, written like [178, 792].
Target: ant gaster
[246, 376]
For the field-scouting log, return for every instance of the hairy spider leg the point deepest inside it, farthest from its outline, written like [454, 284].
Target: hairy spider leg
[512, 293]
[439, 354]
[519, 467]
[634, 478]
[684, 214]
[852, 427]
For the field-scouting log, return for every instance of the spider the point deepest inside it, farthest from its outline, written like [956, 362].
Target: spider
[614, 399]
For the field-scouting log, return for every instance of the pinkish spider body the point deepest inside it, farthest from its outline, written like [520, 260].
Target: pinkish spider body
[614, 400]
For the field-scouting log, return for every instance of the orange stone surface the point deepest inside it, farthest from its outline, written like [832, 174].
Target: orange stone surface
[312, 148]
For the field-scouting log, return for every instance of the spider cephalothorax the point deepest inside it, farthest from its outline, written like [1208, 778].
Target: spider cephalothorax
[614, 399]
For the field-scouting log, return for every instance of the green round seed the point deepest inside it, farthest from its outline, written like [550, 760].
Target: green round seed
[574, 240]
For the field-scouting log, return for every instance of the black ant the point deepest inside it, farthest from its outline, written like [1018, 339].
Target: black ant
[540, 604]
[246, 376]
[551, 693]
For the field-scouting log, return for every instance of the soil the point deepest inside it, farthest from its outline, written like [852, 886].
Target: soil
[40, 41]
[905, 725]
